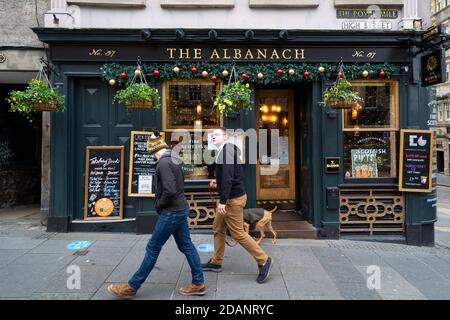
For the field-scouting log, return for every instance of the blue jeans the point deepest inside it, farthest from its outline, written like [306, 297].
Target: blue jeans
[172, 223]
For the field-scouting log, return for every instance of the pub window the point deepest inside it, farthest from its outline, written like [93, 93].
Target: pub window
[370, 134]
[447, 111]
[440, 112]
[186, 105]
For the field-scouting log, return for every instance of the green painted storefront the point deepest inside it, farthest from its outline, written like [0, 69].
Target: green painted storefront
[318, 130]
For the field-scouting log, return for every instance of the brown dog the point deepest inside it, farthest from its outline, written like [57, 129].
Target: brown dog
[262, 218]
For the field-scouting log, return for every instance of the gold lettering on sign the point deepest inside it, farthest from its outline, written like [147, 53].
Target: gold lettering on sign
[214, 55]
[237, 54]
[225, 52]
[184, 54]
[96, 52]
[171, 51]
[299, 54]
[262, 54]
[274, 55]
[287, 57]
[197, 53]
[249, 55]
[234, 53]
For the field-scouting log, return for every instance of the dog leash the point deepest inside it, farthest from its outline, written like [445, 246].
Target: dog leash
[214, 204]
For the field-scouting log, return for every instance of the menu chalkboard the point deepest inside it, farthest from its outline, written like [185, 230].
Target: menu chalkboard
[104, 181]
[142, 165]
[416, 155]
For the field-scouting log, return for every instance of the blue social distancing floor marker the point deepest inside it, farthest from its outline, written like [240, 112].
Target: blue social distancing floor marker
[206, 247]
[77, 245]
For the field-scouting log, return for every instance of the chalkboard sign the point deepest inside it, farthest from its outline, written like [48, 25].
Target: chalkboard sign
[416, 155]
[142, 165]
[104, 183]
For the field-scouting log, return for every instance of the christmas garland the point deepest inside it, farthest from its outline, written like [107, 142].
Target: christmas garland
[269, 73]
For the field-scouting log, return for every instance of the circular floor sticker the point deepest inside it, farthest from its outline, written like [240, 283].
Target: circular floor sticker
[77, 245]
[206, 247]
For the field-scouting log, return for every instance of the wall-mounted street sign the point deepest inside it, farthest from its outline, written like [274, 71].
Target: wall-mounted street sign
[333, 165]
[434, 68]
[416, 156]
[364, 13]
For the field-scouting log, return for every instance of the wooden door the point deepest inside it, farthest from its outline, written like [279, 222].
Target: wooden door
[274, 110]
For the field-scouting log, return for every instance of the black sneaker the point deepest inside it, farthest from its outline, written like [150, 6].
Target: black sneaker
[211, 266]
[264, 271]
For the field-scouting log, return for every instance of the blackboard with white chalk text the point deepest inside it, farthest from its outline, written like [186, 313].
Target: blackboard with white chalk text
[104, 182]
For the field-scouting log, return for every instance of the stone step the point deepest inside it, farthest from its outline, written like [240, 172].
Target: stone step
[294, 229]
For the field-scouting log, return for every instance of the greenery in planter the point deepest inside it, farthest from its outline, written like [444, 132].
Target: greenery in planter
[36, 92]
[341, 93]
[138, 92]
[234, 96]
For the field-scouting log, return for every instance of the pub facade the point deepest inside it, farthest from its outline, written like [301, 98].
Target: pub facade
[339, 171]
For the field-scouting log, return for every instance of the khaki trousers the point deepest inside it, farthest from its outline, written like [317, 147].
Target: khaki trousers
[234, 221]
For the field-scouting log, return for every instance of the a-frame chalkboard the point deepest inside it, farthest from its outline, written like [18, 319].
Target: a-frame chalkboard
[103, 199]
[142, 165]
[416, 160]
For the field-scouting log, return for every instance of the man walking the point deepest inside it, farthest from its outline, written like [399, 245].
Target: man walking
[171, 205]
[230, 209]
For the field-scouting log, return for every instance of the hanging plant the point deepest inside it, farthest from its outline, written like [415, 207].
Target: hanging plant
[341, 95]
[234, 96]
[138, 95]
[38, 96]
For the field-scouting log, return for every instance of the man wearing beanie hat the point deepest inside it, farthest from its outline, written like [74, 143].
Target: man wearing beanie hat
[173, 210]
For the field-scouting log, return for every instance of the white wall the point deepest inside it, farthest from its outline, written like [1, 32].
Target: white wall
[241, 16]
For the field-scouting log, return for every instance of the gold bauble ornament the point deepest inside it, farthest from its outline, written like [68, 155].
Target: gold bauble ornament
[291, 72]
[225, 73]
[365, 73]
[260, 75]
[137, 72]
[204, 74]
[176, 70]
[321, 69]
[112, 82]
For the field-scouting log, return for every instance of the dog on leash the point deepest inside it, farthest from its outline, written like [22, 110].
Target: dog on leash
[262, 218]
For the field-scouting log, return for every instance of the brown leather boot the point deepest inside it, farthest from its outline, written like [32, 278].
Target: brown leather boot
[122, 290]
[193, 290]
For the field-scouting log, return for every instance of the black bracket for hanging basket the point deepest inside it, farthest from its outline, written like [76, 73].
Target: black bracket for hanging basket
[49, 67]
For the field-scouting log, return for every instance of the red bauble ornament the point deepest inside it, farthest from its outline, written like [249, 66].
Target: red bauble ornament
[340, 75]
[244, 76]
[123, 75]
[214, 78]
[306, 74]
[156, 73]
[194, 70]
[382, 74]
[279, 72]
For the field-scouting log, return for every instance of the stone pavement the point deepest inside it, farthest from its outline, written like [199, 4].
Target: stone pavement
[34, 265]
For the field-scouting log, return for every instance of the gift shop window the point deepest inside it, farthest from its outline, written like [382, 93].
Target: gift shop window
[371, 131]
[188, 105]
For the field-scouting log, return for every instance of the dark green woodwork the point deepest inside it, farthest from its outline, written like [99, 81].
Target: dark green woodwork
[318, 130]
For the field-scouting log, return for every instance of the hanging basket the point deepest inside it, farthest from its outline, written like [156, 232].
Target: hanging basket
[336, 103]
[140, 104]
[45, 106]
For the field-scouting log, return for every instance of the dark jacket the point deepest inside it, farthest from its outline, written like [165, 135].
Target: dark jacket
[229, 173]
[169, 185]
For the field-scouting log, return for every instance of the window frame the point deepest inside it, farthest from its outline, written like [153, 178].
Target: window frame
[394, 129]
[165, 102]
[394, 104]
